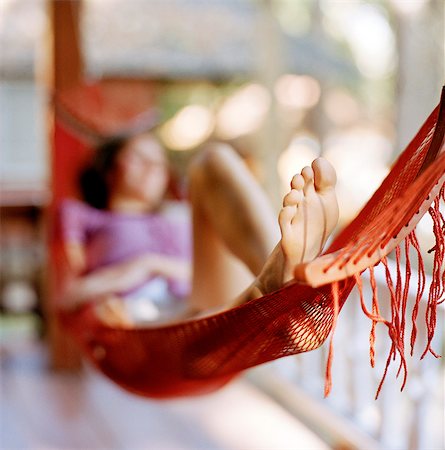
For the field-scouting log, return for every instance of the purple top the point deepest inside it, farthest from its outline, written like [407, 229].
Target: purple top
[111, 237]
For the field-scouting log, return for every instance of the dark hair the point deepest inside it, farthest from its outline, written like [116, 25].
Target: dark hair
[93, 180]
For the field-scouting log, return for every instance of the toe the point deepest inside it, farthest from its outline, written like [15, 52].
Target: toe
[297, 182]
[293, 198]
[308, 176]
[324, 174]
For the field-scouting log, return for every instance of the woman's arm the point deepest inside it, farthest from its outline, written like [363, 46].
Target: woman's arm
[118, 277]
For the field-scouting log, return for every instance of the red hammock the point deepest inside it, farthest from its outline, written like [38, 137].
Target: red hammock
[99, 109]
[198, 356]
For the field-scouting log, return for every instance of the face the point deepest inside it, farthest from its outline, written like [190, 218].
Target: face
[141, 171]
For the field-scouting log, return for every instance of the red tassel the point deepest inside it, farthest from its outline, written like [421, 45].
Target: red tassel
[437, 286]
[385, 372]
[394, 315]
[395, 330]
[328, 379]
[375, 311]
[406, 288]
[399, 307]
[420, 287]
[374, 315]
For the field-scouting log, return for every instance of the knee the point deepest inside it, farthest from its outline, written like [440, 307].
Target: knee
[212, 160]
[219, 153]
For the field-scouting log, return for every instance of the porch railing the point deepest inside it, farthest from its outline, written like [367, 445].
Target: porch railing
[350, 417]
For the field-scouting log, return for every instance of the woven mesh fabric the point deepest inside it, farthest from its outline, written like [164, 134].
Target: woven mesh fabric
[198, 356]
[99, 109]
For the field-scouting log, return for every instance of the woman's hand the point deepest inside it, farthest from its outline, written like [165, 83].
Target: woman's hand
[169, 267]
[122, 277]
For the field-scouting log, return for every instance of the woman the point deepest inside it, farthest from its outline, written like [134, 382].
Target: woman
[125, 244]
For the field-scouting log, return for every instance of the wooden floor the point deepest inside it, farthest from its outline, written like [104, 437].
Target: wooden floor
[44, 410]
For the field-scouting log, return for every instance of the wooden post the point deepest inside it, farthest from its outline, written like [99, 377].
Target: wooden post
[65, 69]
[270, 65]
[421, 64]
[66, 57]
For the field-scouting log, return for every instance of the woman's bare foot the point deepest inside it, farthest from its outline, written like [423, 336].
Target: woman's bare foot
[308, 217]
[309, 214]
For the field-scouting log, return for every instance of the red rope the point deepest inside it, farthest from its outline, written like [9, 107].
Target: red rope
[406, 287]
[421, 279]
[375, 311]
[437, 288]
[395, 332]
[336, 308]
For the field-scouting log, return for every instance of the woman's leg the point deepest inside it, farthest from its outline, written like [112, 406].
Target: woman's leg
[235, 229]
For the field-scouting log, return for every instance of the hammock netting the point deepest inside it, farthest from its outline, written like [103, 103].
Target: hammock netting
[94, 110]
[199, 356]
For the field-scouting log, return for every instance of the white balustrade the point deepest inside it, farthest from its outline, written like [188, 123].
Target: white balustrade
[411, 419]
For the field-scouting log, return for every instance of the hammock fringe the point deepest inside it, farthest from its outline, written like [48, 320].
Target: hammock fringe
[436, 291]
[399, 292]
[335, 290]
